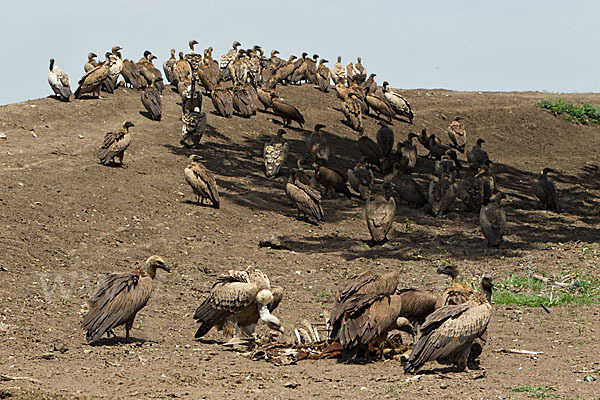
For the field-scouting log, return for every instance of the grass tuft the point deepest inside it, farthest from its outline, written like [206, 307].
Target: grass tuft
[585, 114]
[535, 392]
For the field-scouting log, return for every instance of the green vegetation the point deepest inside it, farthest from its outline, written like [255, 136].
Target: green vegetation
[531, 292]
[585, 114]
[535, 392]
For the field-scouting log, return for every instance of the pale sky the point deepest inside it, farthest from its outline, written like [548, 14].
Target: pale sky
[462, 44]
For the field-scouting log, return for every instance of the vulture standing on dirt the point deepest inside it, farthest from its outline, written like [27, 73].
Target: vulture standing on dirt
[191, 98]
[470, 191]
[193, 125]
[241, 297]
[477, 156]
[380, 106]
[92, 80]
[338, 72]
[457, 134]
[168, 67]
[331, 179]
[117, 67]
[307, 199]
[59, 82]
[323, 76]
[442, 193]
[487, 181]
[151, 101]
[115, 144]
[182, 72]
[118, 298]
[264, 96]
[448, 333]
[405, 187]
[457, 293]
[409, 151]
[132, 76]
[370, 86]
[545, 190]
[370, 150]
[492, 220]
[361, 180]
[380, 214]
[202, 182]
[385, 139]
[399, 104]
[228, 57]
[222, 99]
[287, 112]
[275, 153]
[318, 146]
[243, 102]
[436, 149]
[352, 111]
[91, 62]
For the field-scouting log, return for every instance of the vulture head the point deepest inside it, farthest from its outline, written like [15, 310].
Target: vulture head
[236, 44]
[154, 262]
[404, 325]
[192, 43]
[115, 49]
[323, 61]
[51, 63]
[147, 53]
[263, 298]
[480, 142]
[318, 127]
[127, 125]
[546, 170]
[450, 270]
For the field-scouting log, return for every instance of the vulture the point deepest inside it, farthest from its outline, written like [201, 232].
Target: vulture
[398, 103]
[276, 61]
[470, 191]
[132, 76]
[385, 139]
[182, 71]
[436, 149]
[331, 179]
[117, 67]
[202, 182]
[91, 62]
[154, 73]
[228, 57]
[168, 68]
[287, 112]
[243, 102]
[442, 193]
[222, 99]
[487, 181]
[108, 84]
[92, 80]
[307, 199]
[545, 190]
[193, 125]
[323, 76]
[118, 298]
[264, 97]
[360, 73]
[311, 69]
[301, 67]
[370, 86]
[338, 72]
[59, 82]
[318, 146]
[283, 73]
[448, 164]
[209, 73]
[457, 134]
[115, 144]
[352, 111]
[275, 153]
[448, 333]
[370, 150]
[361, 179]
[380, 106]
[405, 187]
[424, 139]
[492, 220]
[350, 71]
[360, 97]
[240, 297]
[457, 293]
[379, 213]
[477, 156]
[409, 151]
[151, 100]
[191, 98]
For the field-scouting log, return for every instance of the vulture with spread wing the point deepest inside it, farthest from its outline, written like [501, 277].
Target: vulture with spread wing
[115, 144]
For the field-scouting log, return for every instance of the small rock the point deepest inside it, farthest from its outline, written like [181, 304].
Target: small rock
[60, 347]
[47, 356]
[81, 137]
[443, 386]
[3, 136]
[34, 134]
[291, 385]
[3, 269]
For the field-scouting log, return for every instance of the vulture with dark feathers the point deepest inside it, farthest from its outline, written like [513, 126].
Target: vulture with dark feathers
[243, 103]
[448, 333]
[193, 125]
[151, 101]
[487, 181]
[545, 190]
[222, 99]
[91, 62]
[93, 79]
[409, 151]
[457, 293]
[442, 193]
[352, 111]
[318, 146]
[492, 220]
[191, 98]
[361, 180]
[477, 156]
[59, 82]
[331, 179]
[286, 111]
[307, 199]
[264, 97]
[132, 76]
[115, 144]
[385, 139]
[457, 134]
[379, 213]
[436, 149]
[168, 67]
[275, 153]
[323, 76]
[241, 297]
[380, 106]
[370, 150]
[118, 298]
[202, 182]
[405, 187]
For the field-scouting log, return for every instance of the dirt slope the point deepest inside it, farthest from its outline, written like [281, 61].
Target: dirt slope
[68, 221]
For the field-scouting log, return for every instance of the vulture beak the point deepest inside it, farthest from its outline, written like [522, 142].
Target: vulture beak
[164, 266]
[441, 270]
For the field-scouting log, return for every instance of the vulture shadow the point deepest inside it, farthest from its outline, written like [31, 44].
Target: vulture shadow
[200, 204]
[148, 115]
[118, 340]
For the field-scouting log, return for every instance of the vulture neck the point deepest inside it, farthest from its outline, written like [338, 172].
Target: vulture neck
[264, 314]
[151, 270]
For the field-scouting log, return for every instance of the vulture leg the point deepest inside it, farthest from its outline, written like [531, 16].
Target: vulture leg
[461, 364]
[128, 326]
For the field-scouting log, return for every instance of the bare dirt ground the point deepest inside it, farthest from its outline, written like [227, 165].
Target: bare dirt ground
[67, 221]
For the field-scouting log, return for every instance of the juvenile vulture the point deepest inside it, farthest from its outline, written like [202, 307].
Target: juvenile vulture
[209, 72]
[448, 333]
[385, 139]
[370, 150]
[155, 73]
[242, 297]
[436, 149]
[301, 67]
[286, 111]
[457, 293]
[442, 193]
[132, 76]
[91, 62]
[264, 97]
[318, 146]
[323, 76]
[380, 106]
[457, 134]
[243, 102]
[108, 84]
[202, 182]
[115, 144]
[424, 139]
[361, 180]
[487, 181]
[477, 156]
[405, 187]
[370, 86]
[399, 104]
[92, 80]
[283, 73]
[168, 68]
[338, 72]
[360, 73]
[118, 299]
[307, 199]
[222, 99]
[331, 179]
[360, 97]
[182, 71]
[409, 151]
[448, 164]
[275, 153]
[352, 111]
[545, 190]
[151, 101]
[276, 61]
[59, 82]
[379, 214]
[492, 220]
[193, 125]
[311, 69]
[470, 191]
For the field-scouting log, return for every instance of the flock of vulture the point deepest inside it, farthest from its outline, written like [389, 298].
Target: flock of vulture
[449, 328]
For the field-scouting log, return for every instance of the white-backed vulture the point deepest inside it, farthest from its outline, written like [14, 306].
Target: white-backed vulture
[380, 106]
[168, 68]
[545, 190]
[457, 134]
[117, 67]
[399, 104]
[182, 72]
[488, 182]
[409, 151]
[361, 180]
[228, 57]
[360, 73]
[275, 153]
[155, 73]
[59, 82]
[191, 98]
[242, 297]
[222, 99]
[317, 145]
[307, 199]
[322, 76]
[492, 220]
[436, 148]
[311, 70]
[470, 191]
[151, 101]
[284, 72]
[385, 139]
[442, 193]
[477, 156]
[202, 182]
[286, 111]
[448, 164]
[193, 125]
[338, 72]
[380, 214]
[448, 333]
[457, 293]
[118, 298]
[115, 144]
[132, 76]
[300, 68]
[93, 79]
[276, 61]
